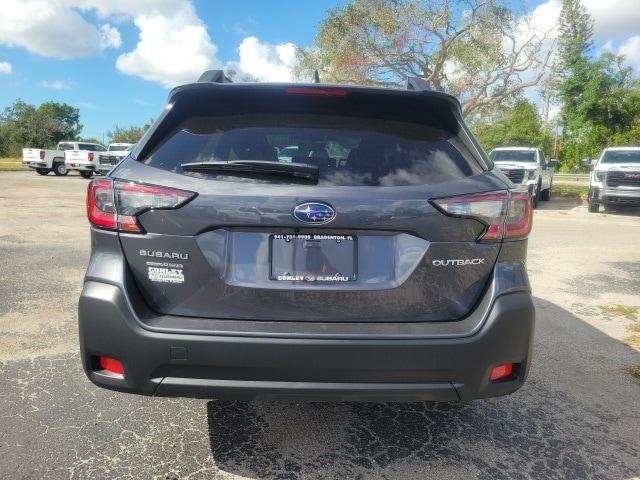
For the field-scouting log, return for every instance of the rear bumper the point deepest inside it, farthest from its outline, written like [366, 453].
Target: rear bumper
[369, 367]
[35, 164]
[80, 166]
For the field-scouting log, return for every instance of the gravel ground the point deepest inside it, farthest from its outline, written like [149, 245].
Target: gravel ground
[578, 416]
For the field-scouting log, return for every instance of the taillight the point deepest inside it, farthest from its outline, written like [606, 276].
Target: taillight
[115, 204]
[42, 154]
[101, 208]
[506, 214]
[90, 156]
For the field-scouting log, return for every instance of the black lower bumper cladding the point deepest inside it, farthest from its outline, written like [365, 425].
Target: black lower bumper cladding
[370, 367]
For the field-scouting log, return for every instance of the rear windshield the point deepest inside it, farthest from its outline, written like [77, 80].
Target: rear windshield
[348, 151]
[621, 156]
[513, 156]
[65, 146]
[118, 148]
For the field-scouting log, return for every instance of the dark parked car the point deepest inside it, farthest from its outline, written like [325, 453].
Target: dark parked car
[384, 261]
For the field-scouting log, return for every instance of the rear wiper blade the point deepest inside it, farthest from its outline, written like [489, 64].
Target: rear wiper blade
[297, 171]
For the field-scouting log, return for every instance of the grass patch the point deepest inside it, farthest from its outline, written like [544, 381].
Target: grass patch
[634, 371]
[570, 190]
[11, 164]
[620, 310]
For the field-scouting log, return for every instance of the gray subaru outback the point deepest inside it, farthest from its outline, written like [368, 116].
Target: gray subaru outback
[319, 242]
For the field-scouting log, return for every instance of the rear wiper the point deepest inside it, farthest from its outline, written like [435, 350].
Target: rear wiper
[301, 172]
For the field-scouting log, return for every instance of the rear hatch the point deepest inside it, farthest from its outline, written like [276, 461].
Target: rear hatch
[364, 243]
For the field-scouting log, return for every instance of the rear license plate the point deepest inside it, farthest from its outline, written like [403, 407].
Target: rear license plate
[313, 258]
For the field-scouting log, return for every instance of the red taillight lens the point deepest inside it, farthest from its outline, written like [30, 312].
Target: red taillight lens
[520, 216]
[115, 204]
[101, 208]
[316, 92]
[501, 372]
[506, 214]
[112, 365]
[42, 154]
[90, 156]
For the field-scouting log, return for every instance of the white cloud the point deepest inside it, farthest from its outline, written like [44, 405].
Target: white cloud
[265, 61]
[630, 48]
[57, 84]
[5, 68]
[52, 29]
[172, 49]
[611, 18]
[109, 37]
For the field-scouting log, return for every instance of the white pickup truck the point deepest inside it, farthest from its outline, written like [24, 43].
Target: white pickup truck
[526, 166]
[84, 158]
[43, 161]
[615, 180]
[115, 152]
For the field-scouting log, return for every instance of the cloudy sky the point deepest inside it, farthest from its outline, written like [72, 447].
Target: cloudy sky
[116, 59]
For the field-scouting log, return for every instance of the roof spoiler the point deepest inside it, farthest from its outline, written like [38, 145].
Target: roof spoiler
[418, 84]
[214, 76]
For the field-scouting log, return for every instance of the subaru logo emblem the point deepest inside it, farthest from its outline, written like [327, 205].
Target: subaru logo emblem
[314, 212]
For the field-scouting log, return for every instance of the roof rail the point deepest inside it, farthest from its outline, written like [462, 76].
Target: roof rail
[418, 84]
[214, 76]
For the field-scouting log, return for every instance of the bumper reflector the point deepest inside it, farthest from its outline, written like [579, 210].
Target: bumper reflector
[112, 365]
[501, 372]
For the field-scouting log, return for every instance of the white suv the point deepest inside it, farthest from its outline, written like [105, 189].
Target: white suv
[615, 180]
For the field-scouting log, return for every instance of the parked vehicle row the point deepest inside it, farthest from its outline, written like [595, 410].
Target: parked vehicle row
[84, 157]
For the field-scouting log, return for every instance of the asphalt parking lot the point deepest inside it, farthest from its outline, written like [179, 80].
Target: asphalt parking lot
[578, 416]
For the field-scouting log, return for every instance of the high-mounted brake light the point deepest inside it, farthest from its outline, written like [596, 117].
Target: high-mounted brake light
[115, 205]
[506, 214]
[316, 92]
[42, 154]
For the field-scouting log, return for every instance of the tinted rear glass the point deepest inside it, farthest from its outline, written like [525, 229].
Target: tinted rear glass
[347, 150]
[66, 146]
[118, 148]
[513, 156]
[621, 156]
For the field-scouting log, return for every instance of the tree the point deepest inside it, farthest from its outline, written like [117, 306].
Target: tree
[23, 125]
[575, 43]
[473, 49]
[516, 125]
[91, 140]
[127, 134]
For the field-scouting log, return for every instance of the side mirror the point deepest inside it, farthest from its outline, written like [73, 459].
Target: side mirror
[553, 163]
[586, 163]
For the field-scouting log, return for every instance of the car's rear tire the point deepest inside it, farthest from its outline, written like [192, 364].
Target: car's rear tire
[594, 207]
[86, 173]
[42, 171]
[60, 169]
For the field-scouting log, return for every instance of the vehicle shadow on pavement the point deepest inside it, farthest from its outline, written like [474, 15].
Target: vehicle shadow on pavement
[560, 203]
[576, 417]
